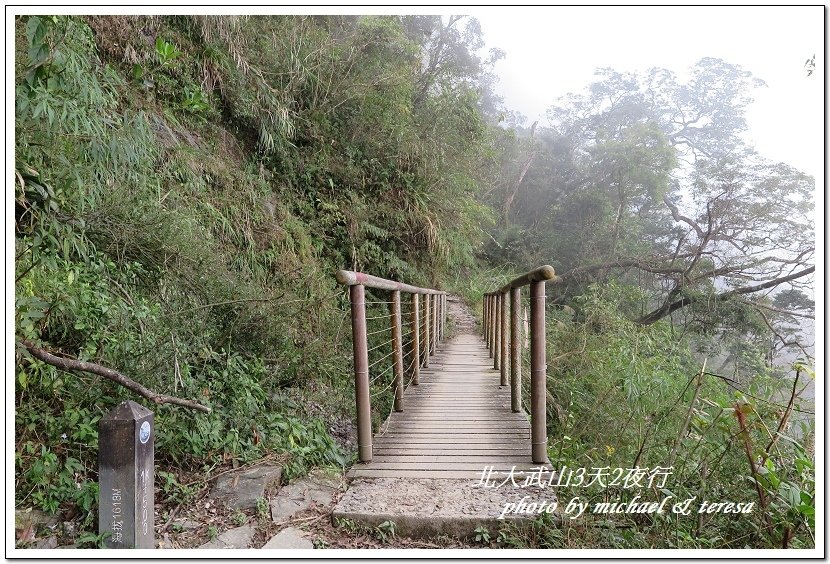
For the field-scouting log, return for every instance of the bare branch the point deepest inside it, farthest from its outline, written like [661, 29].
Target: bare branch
[665, 310]
[744, 267]
[533, 153]
[675, 213]
[784, 418]
[784, 343]
[769, 284]
[622, 263]
[782, 311]
[68, 364]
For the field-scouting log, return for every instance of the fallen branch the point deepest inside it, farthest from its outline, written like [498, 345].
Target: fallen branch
[312, 519]
[68, 364]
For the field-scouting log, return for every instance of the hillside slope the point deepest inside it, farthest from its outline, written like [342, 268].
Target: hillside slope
[186, 188]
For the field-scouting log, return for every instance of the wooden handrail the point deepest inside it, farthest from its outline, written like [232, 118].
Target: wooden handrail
[424, 341]
[495, 334]
[541, 274]
[352, 278]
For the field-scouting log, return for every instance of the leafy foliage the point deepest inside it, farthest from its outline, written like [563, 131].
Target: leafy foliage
[649, 180]
[185, 187]
[631, 396]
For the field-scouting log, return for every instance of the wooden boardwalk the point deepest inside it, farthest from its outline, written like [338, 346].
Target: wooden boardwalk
[455, 422]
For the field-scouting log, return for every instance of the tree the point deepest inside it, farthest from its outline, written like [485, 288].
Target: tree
[648, 178]
[449, 53]
[750, 232]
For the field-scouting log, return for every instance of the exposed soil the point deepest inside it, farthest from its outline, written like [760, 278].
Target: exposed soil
[461, 318]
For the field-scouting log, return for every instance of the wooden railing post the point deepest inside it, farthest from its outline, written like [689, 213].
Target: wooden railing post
[538, 374]
[446, 316]
[434, 324]
[496, 329]
[414, 317]
[438, 313]
[397, 349]
[361, 373]
[431, 323]
[503, 330]
[427, 341]
[489, 322]
[443, 316]
[486, 321]
[492, 324]
[515, 350]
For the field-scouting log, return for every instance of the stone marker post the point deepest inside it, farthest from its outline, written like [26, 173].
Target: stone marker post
[126, 476]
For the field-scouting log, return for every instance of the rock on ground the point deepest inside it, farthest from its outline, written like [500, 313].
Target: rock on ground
[241, 489]
[31, 517]
[289, 538]
[302, 494]
[239, 537]
[48, 543]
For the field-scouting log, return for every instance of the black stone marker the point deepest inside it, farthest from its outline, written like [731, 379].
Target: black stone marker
[126, 476]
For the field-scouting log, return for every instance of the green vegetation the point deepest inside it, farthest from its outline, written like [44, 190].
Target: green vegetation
[383, 533]
[630, 396]
[666, 346]
[186, 186]
[482, 535]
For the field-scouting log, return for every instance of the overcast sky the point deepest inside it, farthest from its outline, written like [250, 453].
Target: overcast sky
[551, 51]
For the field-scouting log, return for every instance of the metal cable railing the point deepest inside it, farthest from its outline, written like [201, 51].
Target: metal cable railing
[504, 325]
[390, 339]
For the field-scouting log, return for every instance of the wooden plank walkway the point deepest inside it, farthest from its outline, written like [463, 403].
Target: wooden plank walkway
[455, 422]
